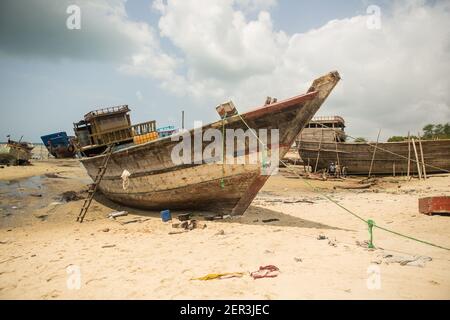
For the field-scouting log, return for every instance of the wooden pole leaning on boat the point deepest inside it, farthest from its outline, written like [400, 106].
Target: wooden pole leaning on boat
[409, 157]
[337, 152]
[417, 159]
[424, 171]
[318, 151]
[373, 154]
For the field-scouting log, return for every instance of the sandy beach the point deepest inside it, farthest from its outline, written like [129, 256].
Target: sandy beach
[318, 247]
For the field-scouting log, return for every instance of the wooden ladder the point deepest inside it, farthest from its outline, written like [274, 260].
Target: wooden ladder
[93, 187]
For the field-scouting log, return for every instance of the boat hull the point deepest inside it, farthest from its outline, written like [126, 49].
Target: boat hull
[12, 155]
[157, 183]
[390, 157]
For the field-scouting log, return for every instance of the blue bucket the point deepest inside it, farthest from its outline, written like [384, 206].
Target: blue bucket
[166, 216]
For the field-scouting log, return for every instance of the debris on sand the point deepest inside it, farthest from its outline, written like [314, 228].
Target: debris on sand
[42, 217]
[297, 201]
[53, 176]
[189, 225]
[105, 230]
[354, 187]
[116, 214]
[184, 216]
[332, 243]
[177, 232]
[270, 220]
[298, 259]
[71, 196]
[321, 237]
[269, 271]
[37, 195]
[220, 233]
[109, 246]
[415, 261]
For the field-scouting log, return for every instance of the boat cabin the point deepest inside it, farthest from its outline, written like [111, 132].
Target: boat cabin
[325, 129]
[107, 126]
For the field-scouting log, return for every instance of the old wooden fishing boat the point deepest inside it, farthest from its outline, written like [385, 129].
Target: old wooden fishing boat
[15, 153]
[391, 158]
[154, 181]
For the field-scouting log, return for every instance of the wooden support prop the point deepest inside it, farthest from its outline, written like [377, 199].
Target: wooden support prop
[424, 171]
[337, 153]
[409, 157]
[393, 169]
[318, 151]
[417, 158]
[373, 155]
[182, 119]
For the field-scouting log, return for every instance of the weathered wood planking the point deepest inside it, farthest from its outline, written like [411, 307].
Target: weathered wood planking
[357, 156]
[157, 183]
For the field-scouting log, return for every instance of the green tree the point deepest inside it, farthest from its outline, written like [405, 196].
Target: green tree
[360, 140]
[397, 139]
[428, 131]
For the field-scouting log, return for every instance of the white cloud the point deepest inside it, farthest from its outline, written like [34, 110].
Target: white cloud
[395, 77]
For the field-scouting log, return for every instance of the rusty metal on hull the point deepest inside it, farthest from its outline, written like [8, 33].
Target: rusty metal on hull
[157, 183]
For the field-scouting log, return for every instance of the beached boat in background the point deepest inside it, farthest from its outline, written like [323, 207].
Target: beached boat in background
[391, 158]
[155, 182]
[59, 145]
[15, 153]
[322, 142]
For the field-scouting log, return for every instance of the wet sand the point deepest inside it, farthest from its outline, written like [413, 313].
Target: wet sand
[134, 257]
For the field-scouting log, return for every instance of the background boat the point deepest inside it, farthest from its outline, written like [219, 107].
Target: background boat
[390, 157]
[59, 145]
[15, 153]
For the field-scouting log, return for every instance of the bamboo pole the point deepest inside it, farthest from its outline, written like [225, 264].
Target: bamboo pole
[409, 157]
[373, 155]
[424, 171]
[393, 169]
[337, 153]
[318, 151]
[417, 158]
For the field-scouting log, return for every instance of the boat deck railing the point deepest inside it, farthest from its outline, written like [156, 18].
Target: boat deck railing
[328, 119]
[106, 111]
[122, 134]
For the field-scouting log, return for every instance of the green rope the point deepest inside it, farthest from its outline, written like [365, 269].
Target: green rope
[371, 224]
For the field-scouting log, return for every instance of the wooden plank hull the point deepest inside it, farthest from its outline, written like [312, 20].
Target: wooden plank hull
[157, 183]
[13, 154]
[357, 156]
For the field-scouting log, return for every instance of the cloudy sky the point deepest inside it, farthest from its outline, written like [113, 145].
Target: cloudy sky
[161, 57]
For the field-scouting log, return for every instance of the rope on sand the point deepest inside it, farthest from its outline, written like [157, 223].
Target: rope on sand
[370, 223]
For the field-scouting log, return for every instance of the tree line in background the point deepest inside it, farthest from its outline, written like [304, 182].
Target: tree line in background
[430, 132]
